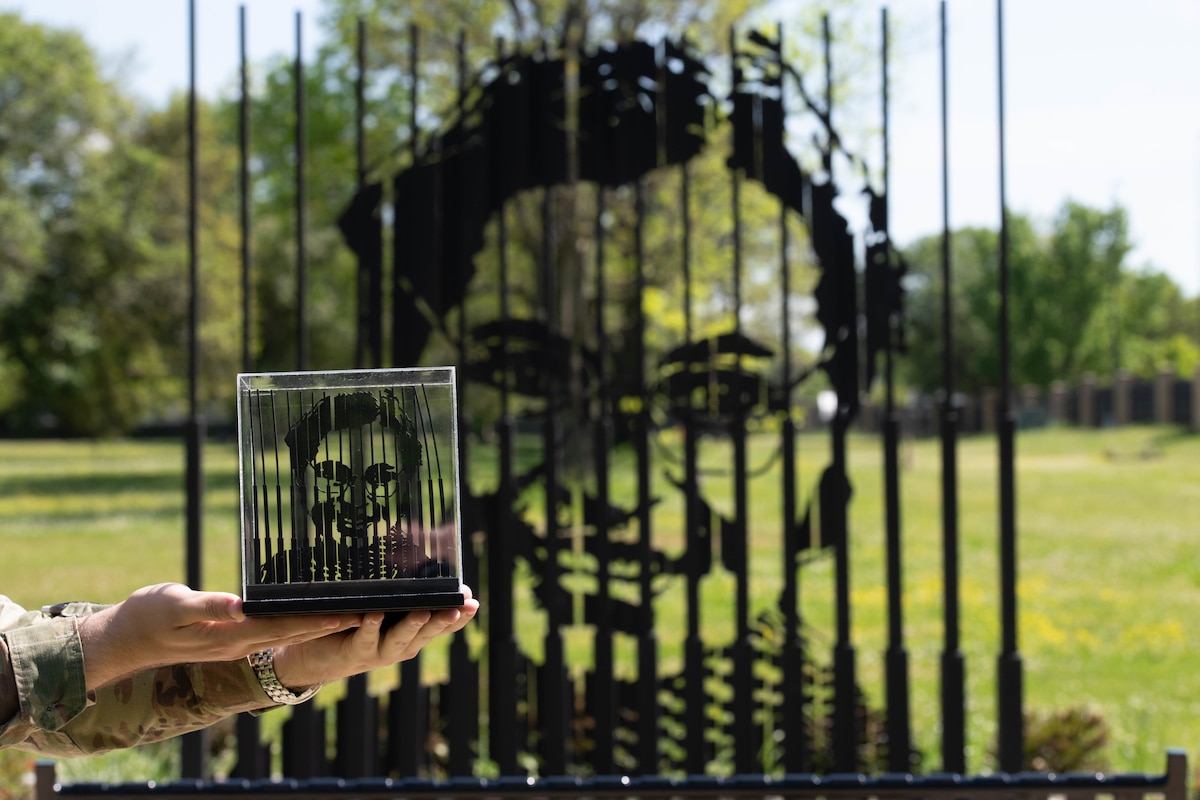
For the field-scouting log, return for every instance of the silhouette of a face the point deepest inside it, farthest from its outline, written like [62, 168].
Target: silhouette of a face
[354, 501]
[362, 450]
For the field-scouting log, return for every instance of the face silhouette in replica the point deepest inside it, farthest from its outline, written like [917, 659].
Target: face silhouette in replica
[360, 456]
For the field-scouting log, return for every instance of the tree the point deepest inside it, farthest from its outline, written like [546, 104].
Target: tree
[70, 345]
[92, 204]
[1061, 285]
[1150, 327]
[434, 30]
[92, 213]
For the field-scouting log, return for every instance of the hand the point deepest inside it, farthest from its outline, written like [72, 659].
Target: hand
[172, 624]
[304, 664]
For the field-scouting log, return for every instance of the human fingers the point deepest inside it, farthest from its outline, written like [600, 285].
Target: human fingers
[410, 635]
[458, 618]
[467, 611]
[363, 645]
[283, 630]
[331, 657]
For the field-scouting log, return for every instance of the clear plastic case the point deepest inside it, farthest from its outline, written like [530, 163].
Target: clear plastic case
[349, 490]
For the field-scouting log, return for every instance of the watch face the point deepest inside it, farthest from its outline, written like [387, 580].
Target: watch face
[349, 490]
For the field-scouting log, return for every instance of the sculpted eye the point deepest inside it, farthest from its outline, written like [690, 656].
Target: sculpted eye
[380, 479]
[332, 470]
[331, 477]
[379, 474]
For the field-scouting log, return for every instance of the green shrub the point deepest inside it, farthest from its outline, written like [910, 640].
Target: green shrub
[1067, 740]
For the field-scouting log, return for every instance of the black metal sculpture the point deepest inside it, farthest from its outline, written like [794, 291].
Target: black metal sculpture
[637, 109]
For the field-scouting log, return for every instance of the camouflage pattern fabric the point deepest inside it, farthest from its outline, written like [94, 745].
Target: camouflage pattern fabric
[59, 717]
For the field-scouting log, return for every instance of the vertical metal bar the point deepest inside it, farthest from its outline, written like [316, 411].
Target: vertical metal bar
[364, 349]
[252, 754]
[503, 736]
[45, 782]
[733, 538]
[796, 687]
[195, 423]
[340, 568]
[699, 540]
[845, 700]
[748, 744]
[952, 662]
[358, 711]
[553, 705]
[403, 324]
[647, 682]
[304, 742]
[283, 555]
[604, 696]
[797, 751]
[415, 96]
[408, 721]
[785, 279]
[302, 339]
[195, 745]
[299, 568]
[244, 186]
[827, 56]
[360, 102]
[266, 569]
[1009, 679]
[304, 731]
[357, 724]
[408, 712]
[464, 673]
[899, 733]
[845, 725]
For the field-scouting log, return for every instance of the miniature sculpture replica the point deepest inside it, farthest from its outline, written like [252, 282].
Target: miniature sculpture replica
[349, 490]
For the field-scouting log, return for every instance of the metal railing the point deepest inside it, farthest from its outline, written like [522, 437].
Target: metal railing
[1171, 785]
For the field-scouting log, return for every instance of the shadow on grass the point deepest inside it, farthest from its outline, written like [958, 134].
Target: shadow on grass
[1154, 446]
[1173, 436]
[107, 483]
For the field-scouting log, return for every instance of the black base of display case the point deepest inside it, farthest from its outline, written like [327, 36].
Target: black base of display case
[355, 597]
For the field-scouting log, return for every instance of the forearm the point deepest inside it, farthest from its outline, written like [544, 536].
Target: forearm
[10, 706]
[109, 656]
[48, 705]
[163, 703]
[152, 705]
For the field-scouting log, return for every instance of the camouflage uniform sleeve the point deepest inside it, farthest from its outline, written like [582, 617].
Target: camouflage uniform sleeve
[59, 717]
[154, 705]
[45, 660]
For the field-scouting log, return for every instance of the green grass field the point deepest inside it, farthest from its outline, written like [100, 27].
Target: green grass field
[1108, 581]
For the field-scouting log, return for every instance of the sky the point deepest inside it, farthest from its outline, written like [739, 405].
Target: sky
[1102, 101]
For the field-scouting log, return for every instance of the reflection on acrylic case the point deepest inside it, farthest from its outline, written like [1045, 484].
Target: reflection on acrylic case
[349, 490]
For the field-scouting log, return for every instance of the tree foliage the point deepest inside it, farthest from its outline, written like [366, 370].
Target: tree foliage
[434, 33]
[93, 219]
[1075, 305]
[93, 299]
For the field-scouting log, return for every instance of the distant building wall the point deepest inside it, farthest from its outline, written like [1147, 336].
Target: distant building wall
[1164, 399]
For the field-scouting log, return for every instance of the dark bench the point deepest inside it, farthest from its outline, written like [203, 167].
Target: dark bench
[1172, 785]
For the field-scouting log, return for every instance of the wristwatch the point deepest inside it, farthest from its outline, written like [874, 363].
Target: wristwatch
[263, 663]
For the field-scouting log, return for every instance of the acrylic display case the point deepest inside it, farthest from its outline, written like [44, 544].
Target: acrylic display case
[349, 491]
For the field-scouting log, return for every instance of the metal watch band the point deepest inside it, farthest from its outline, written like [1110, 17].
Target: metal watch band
[263, 663]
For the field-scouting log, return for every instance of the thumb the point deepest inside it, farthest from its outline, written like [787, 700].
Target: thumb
[213, 607]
